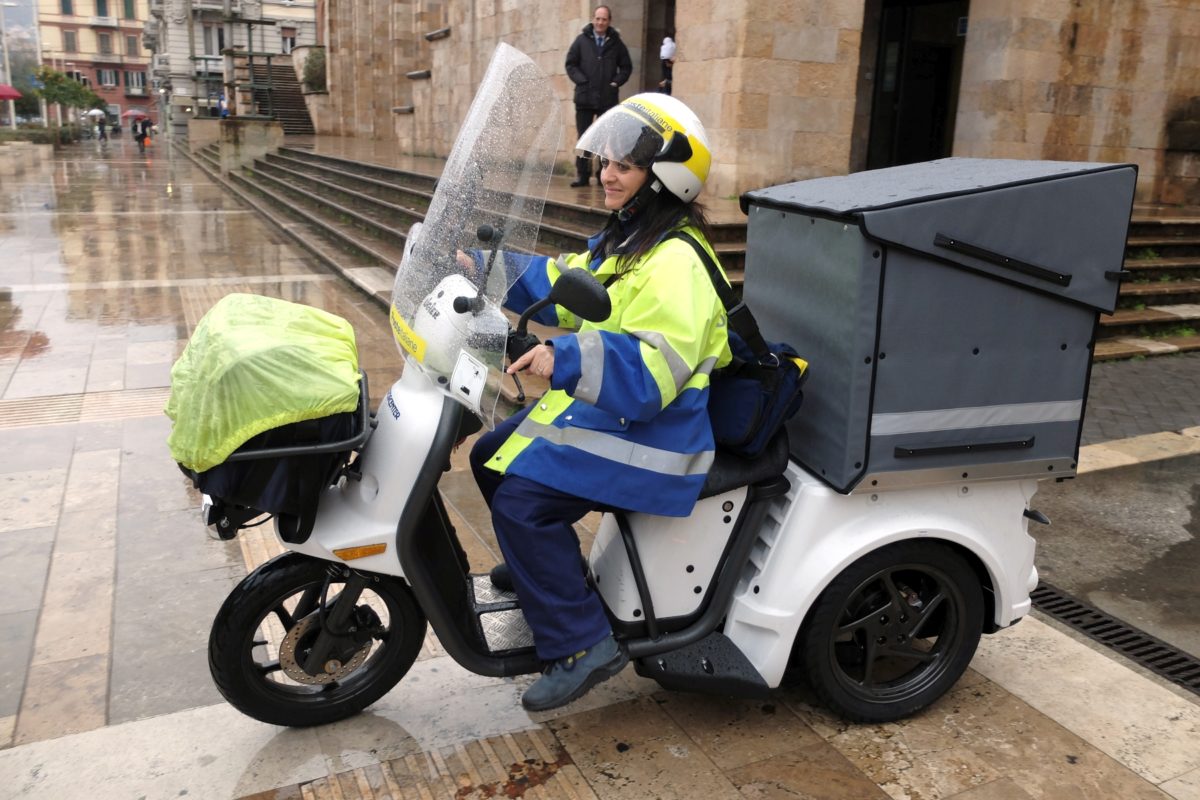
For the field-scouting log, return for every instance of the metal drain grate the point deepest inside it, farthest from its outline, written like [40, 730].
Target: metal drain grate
[1153, 654]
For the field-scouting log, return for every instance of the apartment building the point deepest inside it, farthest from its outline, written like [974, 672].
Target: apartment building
[99, 43]
[190, 40]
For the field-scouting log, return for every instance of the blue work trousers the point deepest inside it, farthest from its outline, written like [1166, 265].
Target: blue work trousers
[535, 527]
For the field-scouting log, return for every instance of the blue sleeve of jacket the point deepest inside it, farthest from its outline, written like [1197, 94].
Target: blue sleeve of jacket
[628, 389]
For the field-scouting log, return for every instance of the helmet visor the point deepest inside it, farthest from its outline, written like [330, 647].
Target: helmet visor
[624, 136]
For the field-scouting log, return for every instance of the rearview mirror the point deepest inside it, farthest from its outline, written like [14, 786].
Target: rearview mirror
[578, 291]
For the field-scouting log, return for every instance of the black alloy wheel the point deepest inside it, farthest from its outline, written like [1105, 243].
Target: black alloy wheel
[893, 632]
[260, 636]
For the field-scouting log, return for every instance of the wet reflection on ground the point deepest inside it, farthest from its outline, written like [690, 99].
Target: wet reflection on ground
[105, 248]
[1128, 541]
[109, 259]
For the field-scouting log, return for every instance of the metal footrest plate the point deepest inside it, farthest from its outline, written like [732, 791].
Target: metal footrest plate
[500, 618]
[506, 630]
[488, 595]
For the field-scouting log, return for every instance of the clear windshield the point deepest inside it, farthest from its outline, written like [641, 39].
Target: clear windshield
[446, 317]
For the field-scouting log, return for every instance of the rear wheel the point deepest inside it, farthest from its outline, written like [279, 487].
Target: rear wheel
[893, 631]
[261, 635]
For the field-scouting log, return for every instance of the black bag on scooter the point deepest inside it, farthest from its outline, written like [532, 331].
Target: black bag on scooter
[287, 486]
[752, 397]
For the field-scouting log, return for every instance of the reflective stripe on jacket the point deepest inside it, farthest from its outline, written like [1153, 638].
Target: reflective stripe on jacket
[625, 422]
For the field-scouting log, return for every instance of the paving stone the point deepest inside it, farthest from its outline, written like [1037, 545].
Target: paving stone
[1131, 398]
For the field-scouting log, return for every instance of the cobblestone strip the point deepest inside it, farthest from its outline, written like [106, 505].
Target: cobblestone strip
[525, 764]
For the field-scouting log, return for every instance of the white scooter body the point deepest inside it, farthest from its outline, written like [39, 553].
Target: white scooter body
[357, 513]
[810, 535]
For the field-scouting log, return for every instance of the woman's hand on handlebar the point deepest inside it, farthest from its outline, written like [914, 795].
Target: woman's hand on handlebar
[467, 262]
[539, 361]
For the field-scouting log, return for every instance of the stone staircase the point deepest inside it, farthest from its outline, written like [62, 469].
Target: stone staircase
[277, 94]
[354, 216]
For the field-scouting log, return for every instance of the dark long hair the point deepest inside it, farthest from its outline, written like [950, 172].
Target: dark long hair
[664, 213]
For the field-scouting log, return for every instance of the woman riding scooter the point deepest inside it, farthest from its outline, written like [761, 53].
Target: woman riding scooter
[624, 424]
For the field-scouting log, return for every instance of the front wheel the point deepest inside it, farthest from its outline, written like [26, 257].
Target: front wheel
[893, 631]
[256, 651]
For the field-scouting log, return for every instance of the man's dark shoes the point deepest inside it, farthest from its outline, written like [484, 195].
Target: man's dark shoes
[575, 184]
[570, 678]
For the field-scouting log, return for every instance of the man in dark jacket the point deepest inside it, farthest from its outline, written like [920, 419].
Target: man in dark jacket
[598, 63]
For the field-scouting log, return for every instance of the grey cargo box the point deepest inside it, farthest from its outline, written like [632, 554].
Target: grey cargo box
[948, 311]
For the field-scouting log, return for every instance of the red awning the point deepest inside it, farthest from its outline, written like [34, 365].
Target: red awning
[9, 93]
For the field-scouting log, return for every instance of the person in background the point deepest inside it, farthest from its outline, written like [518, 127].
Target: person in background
[625, 423]
[666, 55]
[598, 64]
[141, 132]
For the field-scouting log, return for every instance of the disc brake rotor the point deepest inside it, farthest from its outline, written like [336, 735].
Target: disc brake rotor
[334, 670]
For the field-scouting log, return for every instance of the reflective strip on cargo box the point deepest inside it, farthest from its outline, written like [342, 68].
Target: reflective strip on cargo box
[953, 419]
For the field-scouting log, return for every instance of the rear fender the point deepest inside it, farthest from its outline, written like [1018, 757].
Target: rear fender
[821, 532]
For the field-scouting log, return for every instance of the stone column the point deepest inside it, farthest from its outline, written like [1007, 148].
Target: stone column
[774, 83]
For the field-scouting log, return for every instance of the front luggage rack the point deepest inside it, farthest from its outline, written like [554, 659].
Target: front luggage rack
[365, 426]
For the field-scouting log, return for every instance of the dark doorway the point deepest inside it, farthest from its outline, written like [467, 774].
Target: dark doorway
[918, 66]
[660, 22]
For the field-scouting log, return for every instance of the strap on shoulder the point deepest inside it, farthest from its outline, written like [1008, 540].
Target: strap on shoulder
[741, 320]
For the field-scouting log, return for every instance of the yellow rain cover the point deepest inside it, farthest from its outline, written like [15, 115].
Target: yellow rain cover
[255, 363]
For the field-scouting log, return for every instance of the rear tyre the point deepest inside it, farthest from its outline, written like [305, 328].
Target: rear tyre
[255, 650]
[893, 631]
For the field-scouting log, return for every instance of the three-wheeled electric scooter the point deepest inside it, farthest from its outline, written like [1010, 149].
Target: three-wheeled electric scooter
[948, 310]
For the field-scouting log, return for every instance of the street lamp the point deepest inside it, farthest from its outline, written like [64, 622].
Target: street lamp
[12, 106]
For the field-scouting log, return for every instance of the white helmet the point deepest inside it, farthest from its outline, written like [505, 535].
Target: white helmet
[654, 131]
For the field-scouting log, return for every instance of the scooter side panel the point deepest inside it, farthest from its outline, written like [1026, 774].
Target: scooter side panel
[364, 512]
[679, 556]
[816, 533]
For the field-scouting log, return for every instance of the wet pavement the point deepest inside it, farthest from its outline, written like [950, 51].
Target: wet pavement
[1128, 542]
[109, 260]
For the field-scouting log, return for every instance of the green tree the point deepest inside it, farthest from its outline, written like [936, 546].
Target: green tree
[314, 70]
[64, 90]
[23, 68]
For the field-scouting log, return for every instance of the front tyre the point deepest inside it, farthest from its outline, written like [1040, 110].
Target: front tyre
[893, 631]
[259, 635]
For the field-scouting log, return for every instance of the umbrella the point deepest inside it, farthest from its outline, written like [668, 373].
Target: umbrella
[96, 112]
[134, 112]
[9, 93]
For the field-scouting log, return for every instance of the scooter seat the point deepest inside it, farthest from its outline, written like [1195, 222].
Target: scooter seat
[730, 471]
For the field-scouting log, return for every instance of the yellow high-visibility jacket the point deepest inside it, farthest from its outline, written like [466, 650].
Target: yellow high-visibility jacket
[626, 422]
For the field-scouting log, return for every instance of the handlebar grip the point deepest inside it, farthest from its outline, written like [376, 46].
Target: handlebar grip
[519, 344]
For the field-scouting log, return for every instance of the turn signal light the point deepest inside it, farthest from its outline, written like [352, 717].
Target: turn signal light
[351, 553]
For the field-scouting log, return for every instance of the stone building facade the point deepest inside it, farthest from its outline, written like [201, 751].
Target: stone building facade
[791, 89]
[99, 44]
[187, 39]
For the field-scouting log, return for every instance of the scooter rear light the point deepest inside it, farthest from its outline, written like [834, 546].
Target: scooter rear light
[351, 553]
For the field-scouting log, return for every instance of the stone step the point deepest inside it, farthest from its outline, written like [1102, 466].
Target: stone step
[371, 206]
[1162, 269]
[1163, 246]
[1151, 292]
[1180, 320]
[368, 267]
[375, 218]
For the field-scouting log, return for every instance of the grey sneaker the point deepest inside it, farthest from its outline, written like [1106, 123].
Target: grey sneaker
[570, 678]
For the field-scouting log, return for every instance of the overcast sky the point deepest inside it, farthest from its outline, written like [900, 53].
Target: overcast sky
[20, 14]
